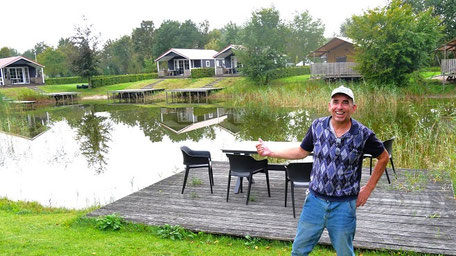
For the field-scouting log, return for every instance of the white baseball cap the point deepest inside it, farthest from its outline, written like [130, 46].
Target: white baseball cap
[343, 90]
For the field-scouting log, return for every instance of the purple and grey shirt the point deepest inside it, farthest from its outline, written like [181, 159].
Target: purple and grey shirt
[336, 171]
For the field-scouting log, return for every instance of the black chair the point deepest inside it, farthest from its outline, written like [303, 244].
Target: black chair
[244, 166]
[197, 159]
[388, 144]
[298, 174]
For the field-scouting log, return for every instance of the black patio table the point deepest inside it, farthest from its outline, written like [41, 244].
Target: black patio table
[249, 148]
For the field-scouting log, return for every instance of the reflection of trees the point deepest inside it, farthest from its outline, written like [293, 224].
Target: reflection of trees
[94, 135]
[148, 119]
[275, 124]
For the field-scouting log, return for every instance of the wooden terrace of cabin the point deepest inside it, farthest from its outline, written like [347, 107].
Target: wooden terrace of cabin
[338, 53]
[448, 66]
[395, 217]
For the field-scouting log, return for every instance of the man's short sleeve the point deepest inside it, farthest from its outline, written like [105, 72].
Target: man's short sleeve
[373, 146]
[307, 142]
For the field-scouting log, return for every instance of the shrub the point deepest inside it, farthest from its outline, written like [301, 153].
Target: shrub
[66, 80]
[174, 232]
[202, 72]
[110, 222]
[98, 81]
[286, 72]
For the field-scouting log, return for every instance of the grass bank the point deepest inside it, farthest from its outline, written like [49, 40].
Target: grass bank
[30, 229]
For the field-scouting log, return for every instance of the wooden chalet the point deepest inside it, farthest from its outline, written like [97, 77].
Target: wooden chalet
[448, 65]
[226, 61]
[180, 62]
[338, 60]
[20, 71]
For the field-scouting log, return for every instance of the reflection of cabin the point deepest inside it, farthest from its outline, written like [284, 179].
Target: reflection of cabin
[19, 71]
[448, 65]
[226, 61]
[338, 57]
[232, 124]
[180, 62]
[182, 120]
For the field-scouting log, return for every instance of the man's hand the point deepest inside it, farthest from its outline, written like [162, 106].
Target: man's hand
[262, 149]
[363, 195]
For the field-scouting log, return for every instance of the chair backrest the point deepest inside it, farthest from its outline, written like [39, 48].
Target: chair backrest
[243, 163]
[299, 172]
[388, 144]
[194, 157]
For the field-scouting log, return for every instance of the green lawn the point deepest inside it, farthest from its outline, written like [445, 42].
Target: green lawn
[30, 229]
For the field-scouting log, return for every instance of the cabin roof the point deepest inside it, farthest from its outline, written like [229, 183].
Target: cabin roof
[450, 46]
[191, 54]
[227, 51]
[332, 44]
[4, 62]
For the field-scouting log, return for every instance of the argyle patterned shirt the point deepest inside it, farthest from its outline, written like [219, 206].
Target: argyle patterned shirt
[336, 171]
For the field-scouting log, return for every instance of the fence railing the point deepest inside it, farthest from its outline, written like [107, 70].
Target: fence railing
[334, 70]
[448, 67]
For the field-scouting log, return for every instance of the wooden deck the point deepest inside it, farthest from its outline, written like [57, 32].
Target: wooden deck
[334, 70]
[190, 95]
[421, 221]
[130, 95]
[63, 96]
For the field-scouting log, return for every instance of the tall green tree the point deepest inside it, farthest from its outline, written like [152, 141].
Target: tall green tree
[143, 39]
[264, 40]
[86, 61]
[306, 34]
[444, 9]
[8, 52]
[393, 41]
[54, 60]
[167, 36]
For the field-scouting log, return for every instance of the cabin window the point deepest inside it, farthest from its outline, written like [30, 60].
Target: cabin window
[341, 59]
[208, 63]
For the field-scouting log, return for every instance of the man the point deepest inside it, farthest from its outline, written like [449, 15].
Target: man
[338, 143]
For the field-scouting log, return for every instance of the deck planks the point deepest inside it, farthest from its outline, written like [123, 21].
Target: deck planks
[421, 221]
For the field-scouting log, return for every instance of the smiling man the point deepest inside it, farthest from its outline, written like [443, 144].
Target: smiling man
[338, 143]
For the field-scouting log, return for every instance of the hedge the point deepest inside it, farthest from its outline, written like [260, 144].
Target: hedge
[286, 72]
[98, 81]
[202, 72]
[65, 80]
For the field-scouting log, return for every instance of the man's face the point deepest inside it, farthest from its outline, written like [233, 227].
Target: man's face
[341, 108]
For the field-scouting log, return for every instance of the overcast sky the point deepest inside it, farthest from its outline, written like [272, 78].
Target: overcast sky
[27, 22]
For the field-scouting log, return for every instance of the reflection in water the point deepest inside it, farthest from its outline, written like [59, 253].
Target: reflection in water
[127, 147]
[94, 135]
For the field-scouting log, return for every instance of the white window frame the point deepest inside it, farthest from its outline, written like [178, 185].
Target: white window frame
[24, 78]
[208, 63]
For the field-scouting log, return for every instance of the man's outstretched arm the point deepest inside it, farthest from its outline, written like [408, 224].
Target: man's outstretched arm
[289, 153]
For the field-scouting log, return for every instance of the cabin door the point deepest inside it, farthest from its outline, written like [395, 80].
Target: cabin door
[18, 75]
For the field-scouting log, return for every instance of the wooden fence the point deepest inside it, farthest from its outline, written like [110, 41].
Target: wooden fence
[333, 70]
[448, 67]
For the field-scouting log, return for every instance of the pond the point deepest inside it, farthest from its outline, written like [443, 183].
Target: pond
[79, 156]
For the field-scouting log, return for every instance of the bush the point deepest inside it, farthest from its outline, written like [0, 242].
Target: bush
[66, 80]
[98, 81]
[286, 72]
[174, 232]
[110, 222]
[203, 72]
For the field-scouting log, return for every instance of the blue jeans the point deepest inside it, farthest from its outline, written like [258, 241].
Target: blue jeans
[339, 218]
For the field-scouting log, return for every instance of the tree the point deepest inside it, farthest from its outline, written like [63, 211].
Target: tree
[306, 34]
[393, 41]
[166, 37]
[6, 52]
[85, 63]
[445, 9]
[54, 60]
[343, 27]
[143, 39]
[264, 43]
